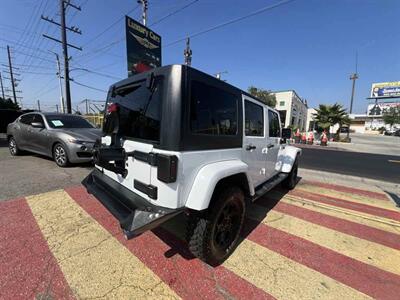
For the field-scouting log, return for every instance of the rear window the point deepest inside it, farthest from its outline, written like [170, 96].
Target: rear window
[139, 111]
[212, 110]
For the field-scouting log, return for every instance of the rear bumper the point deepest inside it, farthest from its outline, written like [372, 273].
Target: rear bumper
[134, 213]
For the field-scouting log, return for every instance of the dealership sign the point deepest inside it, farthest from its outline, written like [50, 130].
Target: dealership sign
[143, 47]
[378, 109]
[385, 89]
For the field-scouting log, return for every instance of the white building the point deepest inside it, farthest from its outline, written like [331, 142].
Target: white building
[292, 109]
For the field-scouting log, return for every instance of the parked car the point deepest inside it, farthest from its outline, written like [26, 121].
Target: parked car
[178, 140]
[64, 137]
[397, 132]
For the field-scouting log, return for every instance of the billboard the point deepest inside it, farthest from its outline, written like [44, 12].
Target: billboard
[385, 89]
[378, 109]
[143, 47]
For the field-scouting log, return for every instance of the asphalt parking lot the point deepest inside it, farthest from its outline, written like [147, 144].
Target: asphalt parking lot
[31, 174]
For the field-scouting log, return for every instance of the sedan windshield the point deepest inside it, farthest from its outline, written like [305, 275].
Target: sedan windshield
[58, 121]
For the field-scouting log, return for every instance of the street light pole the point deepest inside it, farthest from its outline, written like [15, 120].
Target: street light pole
[353, 77]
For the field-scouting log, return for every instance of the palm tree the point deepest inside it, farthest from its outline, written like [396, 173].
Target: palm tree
[329, 115]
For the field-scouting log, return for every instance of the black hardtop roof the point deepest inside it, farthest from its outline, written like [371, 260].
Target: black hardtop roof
[167, 69]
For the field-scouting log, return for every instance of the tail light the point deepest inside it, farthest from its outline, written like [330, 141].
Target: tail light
[112, 107]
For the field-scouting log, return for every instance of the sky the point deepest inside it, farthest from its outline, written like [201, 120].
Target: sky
[308, 46]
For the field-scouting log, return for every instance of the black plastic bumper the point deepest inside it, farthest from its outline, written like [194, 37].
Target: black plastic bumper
[134, 213]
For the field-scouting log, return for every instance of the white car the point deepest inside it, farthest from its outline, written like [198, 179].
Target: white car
[178, 140]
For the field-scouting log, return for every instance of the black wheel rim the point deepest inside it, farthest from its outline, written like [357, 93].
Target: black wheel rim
[227, 227]
[13, 146]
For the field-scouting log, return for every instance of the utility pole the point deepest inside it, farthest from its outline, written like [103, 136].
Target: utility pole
[38, 105]
[65, 45]
[2, 88]
[188, 53]
[353, 77]
[144, 10]
[11, 74]
[58, 66]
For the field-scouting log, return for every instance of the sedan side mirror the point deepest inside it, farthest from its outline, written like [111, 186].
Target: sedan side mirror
[37, 125]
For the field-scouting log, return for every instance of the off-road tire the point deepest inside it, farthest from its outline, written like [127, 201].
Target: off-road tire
[203, 231]
[291, 181]
[13, 147]
[60, 155]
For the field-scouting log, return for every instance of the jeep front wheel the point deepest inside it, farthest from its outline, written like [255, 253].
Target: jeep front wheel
[214, 236]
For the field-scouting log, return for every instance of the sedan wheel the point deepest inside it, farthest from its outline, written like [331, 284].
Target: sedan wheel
[12, 145]
[60, 156]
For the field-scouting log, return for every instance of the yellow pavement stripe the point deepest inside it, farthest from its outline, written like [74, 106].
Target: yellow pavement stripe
[374, 254]
[345, 214]
[349, 197]
[394, 224]
[283, 278]
[94, 263]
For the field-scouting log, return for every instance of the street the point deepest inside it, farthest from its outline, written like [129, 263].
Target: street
[367, 165]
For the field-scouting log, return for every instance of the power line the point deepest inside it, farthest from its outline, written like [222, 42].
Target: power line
[110, 26]
[254, 13]
[173, 12]
[88, 86]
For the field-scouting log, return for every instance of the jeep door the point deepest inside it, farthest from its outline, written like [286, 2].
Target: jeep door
[273, 143]
[254, 139]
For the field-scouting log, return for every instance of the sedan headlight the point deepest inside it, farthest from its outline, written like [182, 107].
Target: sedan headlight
[79, 142]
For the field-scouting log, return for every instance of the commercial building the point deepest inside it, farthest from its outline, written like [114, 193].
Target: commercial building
[292, 109]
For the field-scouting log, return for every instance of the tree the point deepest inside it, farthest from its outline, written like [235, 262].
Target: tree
[329, 115]
[264, 95]
[8, 104]
[392, 116]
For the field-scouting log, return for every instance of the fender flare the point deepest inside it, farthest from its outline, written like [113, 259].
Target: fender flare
[207, 178]
[286, 158]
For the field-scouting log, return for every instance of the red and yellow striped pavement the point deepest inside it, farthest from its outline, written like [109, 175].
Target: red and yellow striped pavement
[319, 241]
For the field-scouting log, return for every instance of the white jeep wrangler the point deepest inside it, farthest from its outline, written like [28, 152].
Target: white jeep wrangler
[178, 140]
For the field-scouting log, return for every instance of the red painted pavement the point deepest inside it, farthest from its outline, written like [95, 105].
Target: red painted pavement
[188, 277]
[365, 232]
[360, 276]
[376, 211]
[345, 189]
[28, 270]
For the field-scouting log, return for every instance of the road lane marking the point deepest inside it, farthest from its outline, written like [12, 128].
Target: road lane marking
[346, 189]
[376, 211]
[338, 224]
[28, 270]
[92, 260]
[284, 278]
[363, 277]
[348, 197]
[346, 214]
[189, 278]
[374, 254]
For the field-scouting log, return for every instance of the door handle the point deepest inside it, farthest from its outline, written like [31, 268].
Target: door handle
[269, 146]
[250, 147]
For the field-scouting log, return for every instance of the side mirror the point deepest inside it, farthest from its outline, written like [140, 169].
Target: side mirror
[286, 133]
[37, 125]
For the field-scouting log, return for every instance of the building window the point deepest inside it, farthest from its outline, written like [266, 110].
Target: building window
[282, 103]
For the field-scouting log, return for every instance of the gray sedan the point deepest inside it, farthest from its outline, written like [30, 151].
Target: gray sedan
[64, 137]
